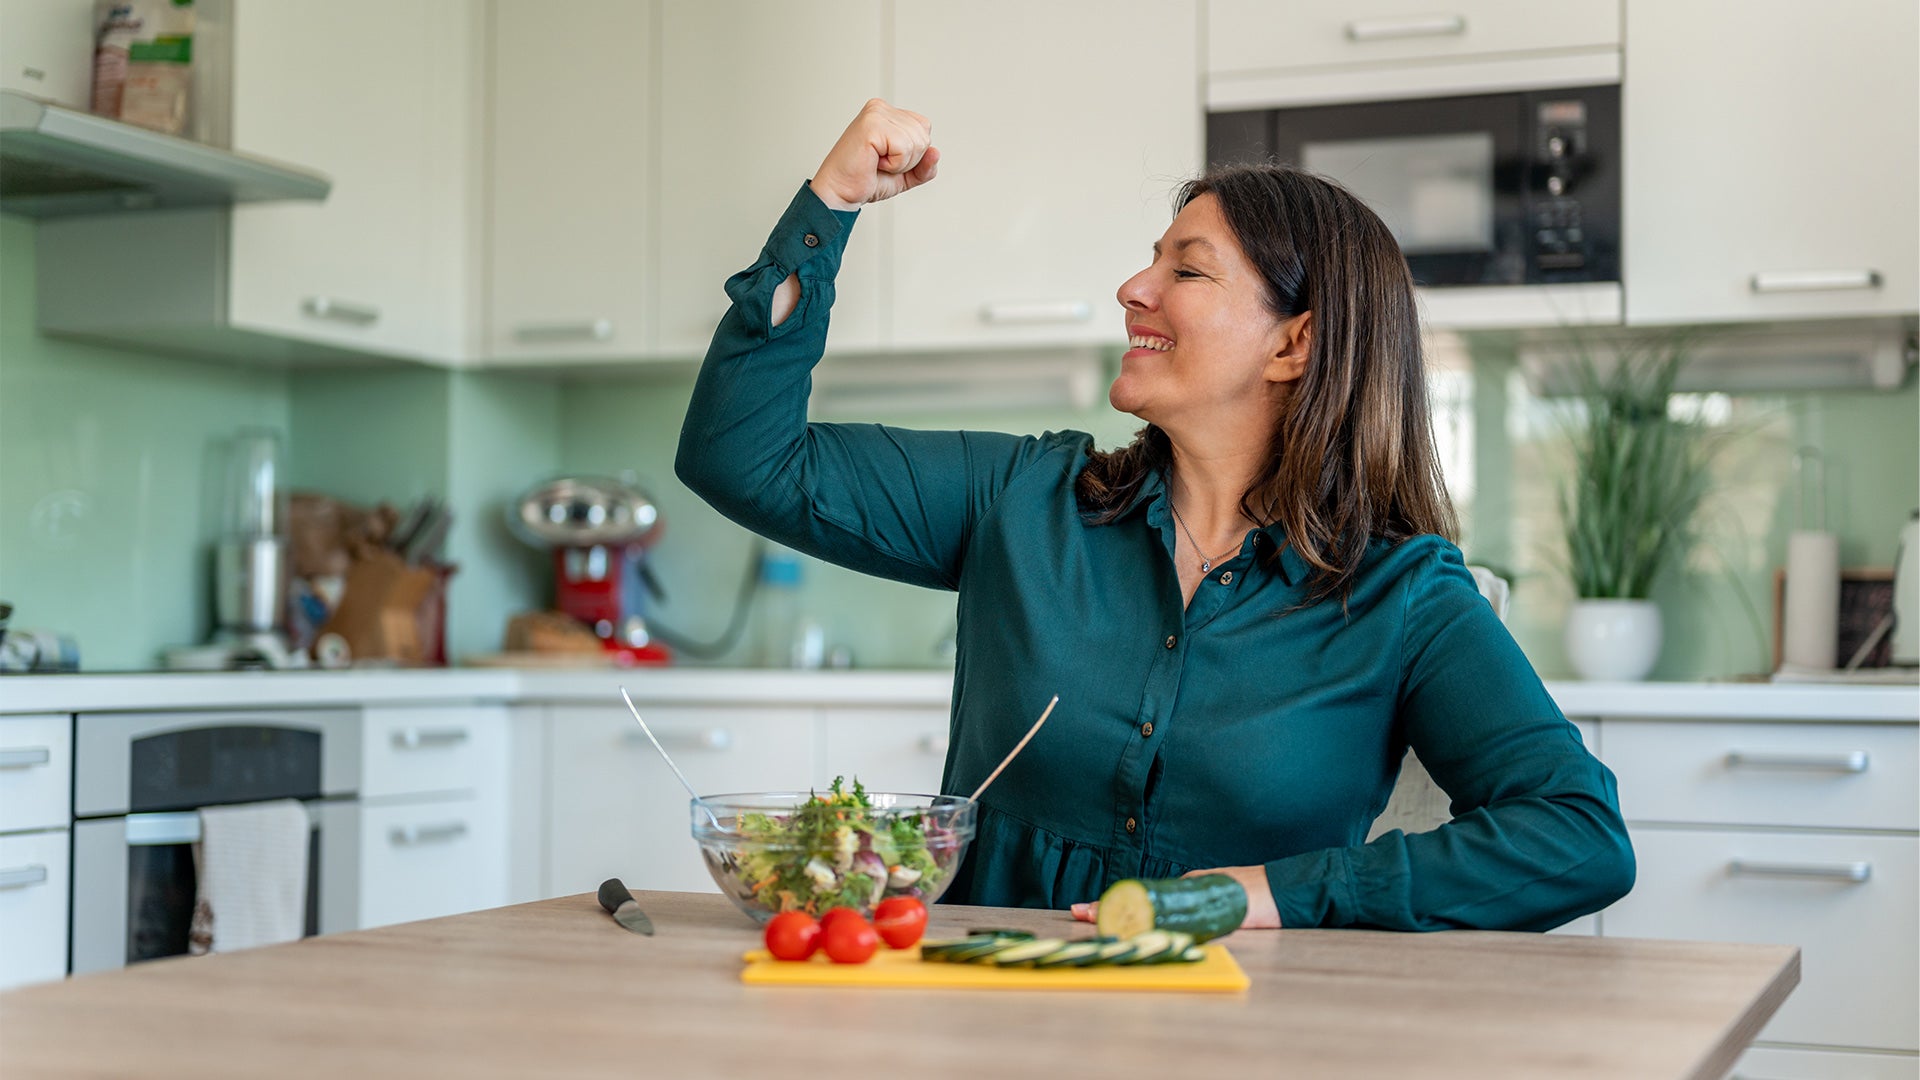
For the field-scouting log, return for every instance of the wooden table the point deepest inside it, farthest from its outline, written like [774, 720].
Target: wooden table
[554, 988]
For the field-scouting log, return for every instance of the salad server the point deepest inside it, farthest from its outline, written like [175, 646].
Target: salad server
[697, 801]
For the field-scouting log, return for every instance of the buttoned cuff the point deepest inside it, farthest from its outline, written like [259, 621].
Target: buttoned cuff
[810, 237]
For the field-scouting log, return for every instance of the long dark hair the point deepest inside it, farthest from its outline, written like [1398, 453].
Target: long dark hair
[1352, 456]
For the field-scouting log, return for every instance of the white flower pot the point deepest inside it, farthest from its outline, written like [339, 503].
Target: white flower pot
[1613, 640]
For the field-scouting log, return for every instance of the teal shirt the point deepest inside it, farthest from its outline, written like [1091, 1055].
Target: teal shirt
[1235, 731]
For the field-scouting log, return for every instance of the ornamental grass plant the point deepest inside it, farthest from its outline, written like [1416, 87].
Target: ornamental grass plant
[1639, 472]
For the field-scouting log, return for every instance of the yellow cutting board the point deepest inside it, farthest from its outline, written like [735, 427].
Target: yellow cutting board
[1218, 973]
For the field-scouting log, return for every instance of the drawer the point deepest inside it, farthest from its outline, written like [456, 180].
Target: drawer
[437, 749]
[36, 772]
[1843, 776]
[1277, 35]
[1768, 1063]
[1857, 938]
[428, 859]
[33, 907]
[887, 749]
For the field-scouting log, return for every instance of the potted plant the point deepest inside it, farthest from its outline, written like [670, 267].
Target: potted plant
[1638, 475]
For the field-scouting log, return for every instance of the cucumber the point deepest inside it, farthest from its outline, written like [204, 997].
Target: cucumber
[1207, 907]
[1115, 951]
[1072, 954]
[980, 947]
[1027, 952]
[1149, 947]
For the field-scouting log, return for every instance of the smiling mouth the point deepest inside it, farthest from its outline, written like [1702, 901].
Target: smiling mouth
[1144, 341]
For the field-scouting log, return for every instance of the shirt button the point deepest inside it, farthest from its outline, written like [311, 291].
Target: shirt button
[1132, 824]
[811, 240]
[1146, 729]
[1226, 578]
[1171, 640]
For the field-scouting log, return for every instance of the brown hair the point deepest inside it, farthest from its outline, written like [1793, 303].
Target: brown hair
[1352, 456]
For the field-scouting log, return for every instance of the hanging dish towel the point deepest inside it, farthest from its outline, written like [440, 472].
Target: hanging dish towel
[251, 862]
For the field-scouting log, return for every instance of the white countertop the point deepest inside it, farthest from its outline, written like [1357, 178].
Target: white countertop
[142, 692]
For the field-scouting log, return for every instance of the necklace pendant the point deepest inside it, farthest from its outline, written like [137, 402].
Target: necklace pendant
[1205, 565]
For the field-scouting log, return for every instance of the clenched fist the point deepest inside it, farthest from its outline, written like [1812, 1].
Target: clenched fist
[882, 153]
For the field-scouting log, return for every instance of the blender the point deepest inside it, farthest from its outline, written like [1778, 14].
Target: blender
[250, 562]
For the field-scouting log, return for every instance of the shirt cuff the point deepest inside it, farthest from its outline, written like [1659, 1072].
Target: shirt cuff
[1311, 889]
[810, 237]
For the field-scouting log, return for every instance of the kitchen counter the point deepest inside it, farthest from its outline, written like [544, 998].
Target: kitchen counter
[139, 692]
[555, 988]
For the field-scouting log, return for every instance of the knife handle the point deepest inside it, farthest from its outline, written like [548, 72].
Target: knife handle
[613, 894]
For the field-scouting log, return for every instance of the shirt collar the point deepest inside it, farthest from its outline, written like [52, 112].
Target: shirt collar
[1152, 500]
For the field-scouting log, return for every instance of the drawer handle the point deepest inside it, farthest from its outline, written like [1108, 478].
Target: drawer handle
[1815, 280]
[19, 877]
[1850, 761]
[326, 307]
[1415, 26]
[415, 835]
[416, 738]
[1854, 873]
[715, 739]
[1059, 311]
[588, 330]
[934, 745]
[26, 758]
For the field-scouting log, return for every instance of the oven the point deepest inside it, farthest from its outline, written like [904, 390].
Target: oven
[139, 781]
[1513, 188]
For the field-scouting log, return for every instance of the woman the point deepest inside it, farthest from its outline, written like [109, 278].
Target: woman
[1249, 614]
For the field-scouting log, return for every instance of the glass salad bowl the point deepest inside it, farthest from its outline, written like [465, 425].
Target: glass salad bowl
[775, 851]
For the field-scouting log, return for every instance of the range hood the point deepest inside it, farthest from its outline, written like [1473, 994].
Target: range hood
[58, 162]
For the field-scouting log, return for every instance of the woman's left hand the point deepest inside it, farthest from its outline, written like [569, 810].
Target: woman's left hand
[1262, 912]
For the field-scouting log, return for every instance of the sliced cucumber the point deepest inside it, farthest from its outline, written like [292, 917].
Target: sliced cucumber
[1149, 947]
[1193, 955]
[1024, 954]
[1113, 951]
[1072, 954]
[1177, 945]
[1207, 906]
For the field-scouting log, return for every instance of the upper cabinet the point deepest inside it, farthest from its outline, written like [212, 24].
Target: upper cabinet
[1063, 129]
[1771, 166]
[385, 266]
[570, 251]
[1275, 35]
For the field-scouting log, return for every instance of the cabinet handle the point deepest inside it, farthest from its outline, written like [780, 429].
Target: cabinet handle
[415, 835]
[710, 739]
[416, 738]
[25, 758]
[1815, 280]
[1853, 873]
[933, 745]
[1055, 311]
[590, 330]
[19, 877]
[1413, 26]
[1850, 761]
[326, 307]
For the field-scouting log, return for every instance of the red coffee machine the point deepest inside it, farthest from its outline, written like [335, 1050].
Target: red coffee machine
[599, 530]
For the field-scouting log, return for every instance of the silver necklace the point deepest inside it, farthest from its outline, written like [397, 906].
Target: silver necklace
[1206, 564]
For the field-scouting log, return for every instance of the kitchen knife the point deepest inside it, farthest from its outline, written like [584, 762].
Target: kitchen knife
[619, 902]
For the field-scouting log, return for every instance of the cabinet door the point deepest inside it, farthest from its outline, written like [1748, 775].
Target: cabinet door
[573, 102]
[1754, 194]
[33, 907]
[1056, 165]
[1274, 35]
[738, 134]
[614, 807]
[36, 772]
[887, 749]
[376, 95]
[422, 860]
[423, 750]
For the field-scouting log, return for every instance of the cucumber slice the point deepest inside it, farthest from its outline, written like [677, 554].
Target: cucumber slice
[1207, 906]
[1149, 947]
[1177, 945]
[1193, 955]
[980, 949]
[1025, 953]
[1112, 951]
[1072, 954]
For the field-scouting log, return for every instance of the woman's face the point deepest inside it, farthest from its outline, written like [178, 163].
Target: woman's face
[1206, 350]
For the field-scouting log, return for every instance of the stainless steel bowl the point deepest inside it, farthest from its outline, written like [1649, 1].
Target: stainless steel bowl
[581, 511]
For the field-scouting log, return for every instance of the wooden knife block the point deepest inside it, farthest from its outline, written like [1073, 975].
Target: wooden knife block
[380, 609]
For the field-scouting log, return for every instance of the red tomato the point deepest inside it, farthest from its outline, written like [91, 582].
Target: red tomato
[849, 941]
[834, 915]
[792, 935]
[900, 920]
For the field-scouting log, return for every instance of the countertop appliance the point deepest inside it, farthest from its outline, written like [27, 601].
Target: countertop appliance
[250, 565]
[1520, 187]
[599, 529]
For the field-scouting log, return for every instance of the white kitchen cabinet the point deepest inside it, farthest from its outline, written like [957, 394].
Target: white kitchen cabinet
[435, 805]
[36, 772]
[570, 249]
[47, 50]
[1280, 35]
[1055, 169]
[739, 134]
[1775, 1063]
[1771, 170]
[614, 808]
[34, 876]
[887, 748]
[379, 97]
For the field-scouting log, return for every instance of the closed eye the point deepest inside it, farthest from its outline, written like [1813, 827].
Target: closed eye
[1187, 274]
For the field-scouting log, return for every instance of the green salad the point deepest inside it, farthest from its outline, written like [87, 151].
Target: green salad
[835, 850]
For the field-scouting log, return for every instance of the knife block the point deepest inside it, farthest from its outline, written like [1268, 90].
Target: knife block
[382, 608]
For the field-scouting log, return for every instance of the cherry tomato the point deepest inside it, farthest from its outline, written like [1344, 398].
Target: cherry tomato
[900, 920]
[849, 941]
[834, 915]
[792, 935]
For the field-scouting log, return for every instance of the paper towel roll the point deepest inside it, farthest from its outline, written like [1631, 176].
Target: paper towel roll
[1811, 622]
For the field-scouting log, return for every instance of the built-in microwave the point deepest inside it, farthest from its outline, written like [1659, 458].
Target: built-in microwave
[1512, 188]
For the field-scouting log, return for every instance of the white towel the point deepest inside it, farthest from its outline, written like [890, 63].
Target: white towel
[252, 867]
